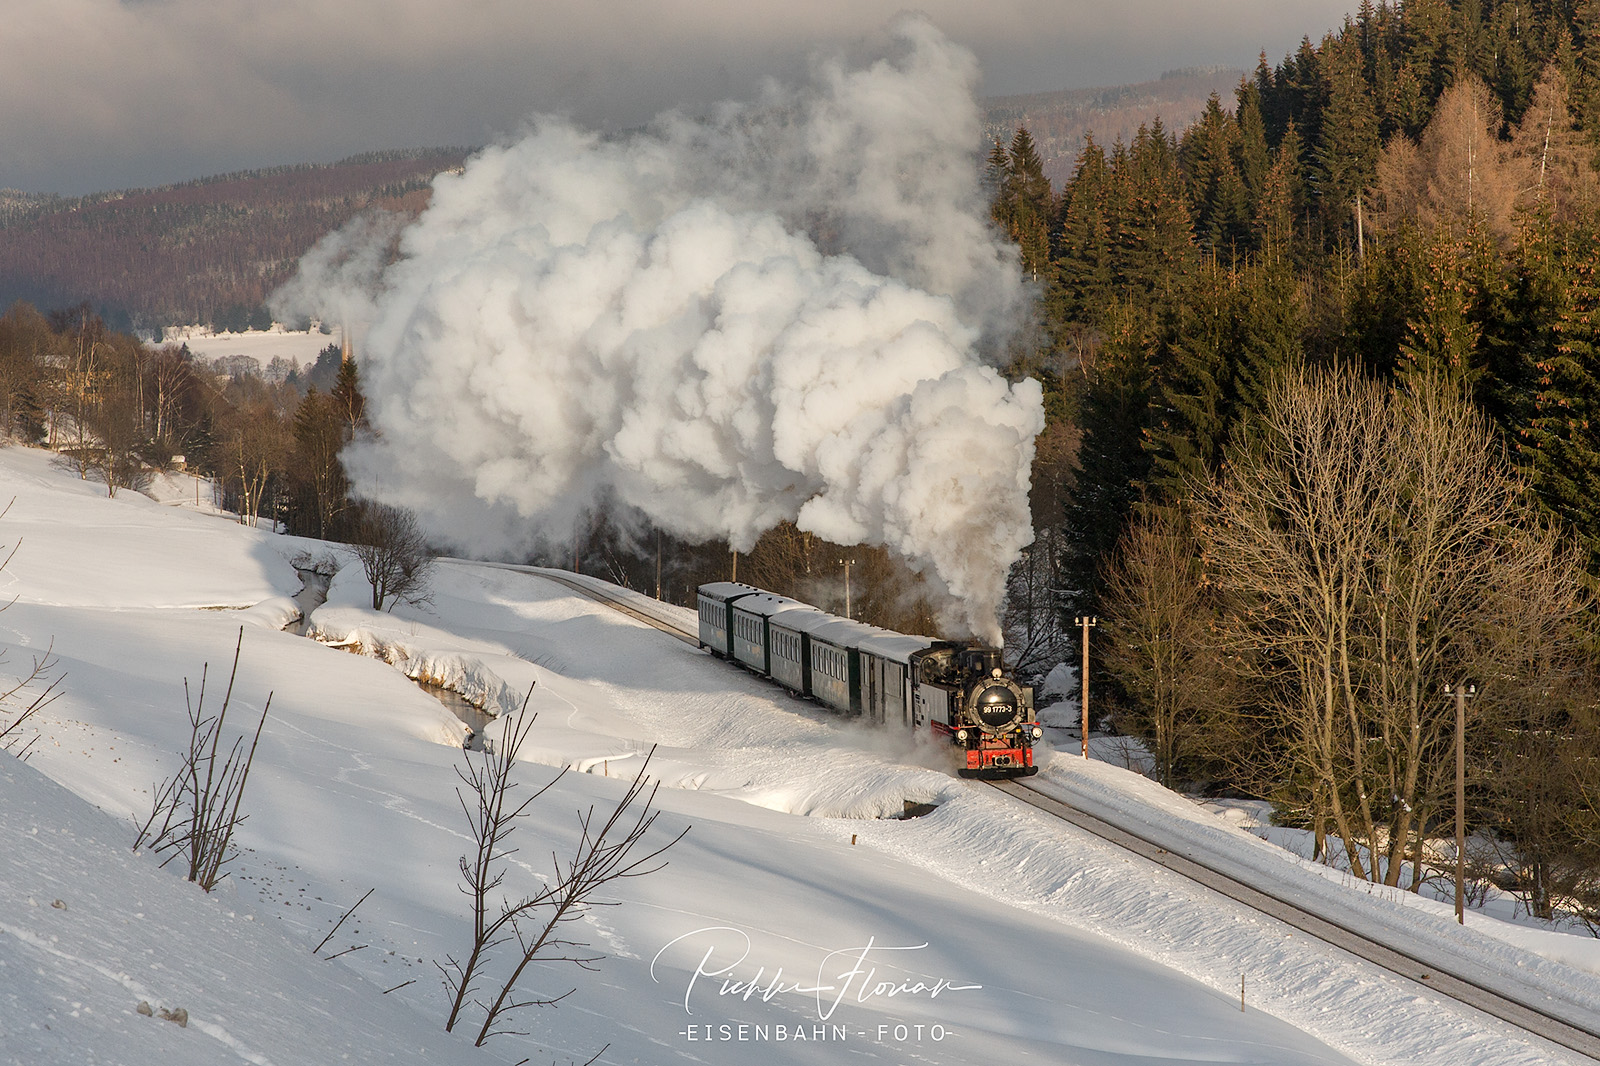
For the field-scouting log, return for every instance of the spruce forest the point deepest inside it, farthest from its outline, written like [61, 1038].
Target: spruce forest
[1322, 377]
[1323, 372]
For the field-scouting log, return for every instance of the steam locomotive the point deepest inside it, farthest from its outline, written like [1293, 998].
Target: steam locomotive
[957, 690]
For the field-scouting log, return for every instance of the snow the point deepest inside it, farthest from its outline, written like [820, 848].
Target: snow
[789, 875]
[263, 345]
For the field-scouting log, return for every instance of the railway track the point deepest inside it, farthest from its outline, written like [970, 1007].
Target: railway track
[599, 595]
[1548, 1021]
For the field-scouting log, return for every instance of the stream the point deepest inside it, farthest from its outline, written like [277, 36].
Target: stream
[314, 593]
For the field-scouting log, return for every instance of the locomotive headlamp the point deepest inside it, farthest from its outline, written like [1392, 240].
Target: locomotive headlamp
[961, 734]
[995, 672]
[1037, 732]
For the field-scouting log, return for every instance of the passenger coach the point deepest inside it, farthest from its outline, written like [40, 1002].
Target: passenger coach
[958, 691]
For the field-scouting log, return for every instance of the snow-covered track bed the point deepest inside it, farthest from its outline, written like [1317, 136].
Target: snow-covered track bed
[1519, 998]
[604, 592]
[1543, 1015]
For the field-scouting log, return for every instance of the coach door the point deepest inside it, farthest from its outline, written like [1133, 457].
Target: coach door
[874, 691]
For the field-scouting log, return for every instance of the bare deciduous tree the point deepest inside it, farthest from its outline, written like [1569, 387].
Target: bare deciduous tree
[394, 555]
[1460, 175]
[1557, 168]
[606, 853]
[194, 812]
[253, 448]
[1373, 546]
[1159, 638]
[117, 434]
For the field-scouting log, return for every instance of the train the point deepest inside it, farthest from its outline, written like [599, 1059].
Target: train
[957, 690]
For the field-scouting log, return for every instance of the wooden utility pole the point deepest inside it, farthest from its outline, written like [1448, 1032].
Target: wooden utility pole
[1461, 692]
[847, 564]
[1084, 622]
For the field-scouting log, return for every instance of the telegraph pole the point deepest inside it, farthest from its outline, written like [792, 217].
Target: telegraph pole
[1462, 691]
[1084, 622]
[847, 564]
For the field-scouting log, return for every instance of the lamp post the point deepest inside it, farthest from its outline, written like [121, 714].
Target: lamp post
[1461, 692]
[847, 564]
[1084, 622]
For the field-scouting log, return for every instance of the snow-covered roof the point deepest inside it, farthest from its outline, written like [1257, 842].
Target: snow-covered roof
[769, 604]
[727, 590]
[896, 647]
[845, 633]
[803, 619]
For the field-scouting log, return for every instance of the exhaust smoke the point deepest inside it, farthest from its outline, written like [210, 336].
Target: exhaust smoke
[772, 313]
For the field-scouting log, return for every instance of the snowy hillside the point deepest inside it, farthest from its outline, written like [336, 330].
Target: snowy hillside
[980, 933]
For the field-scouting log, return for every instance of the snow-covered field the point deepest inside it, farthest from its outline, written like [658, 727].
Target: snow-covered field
[262, 345]
[980, 933]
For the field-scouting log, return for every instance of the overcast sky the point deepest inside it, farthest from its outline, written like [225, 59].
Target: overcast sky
[108, 94]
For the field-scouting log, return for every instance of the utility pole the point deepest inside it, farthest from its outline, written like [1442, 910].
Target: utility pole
[847, 564]
[1084, 622]
[1462, 691]
[658, 564]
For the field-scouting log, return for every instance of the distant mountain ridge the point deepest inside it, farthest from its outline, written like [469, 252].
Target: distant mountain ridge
[1061, 121]
[204, 251]
[210, 251]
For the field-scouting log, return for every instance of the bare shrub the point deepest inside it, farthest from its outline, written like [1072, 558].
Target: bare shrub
[29, 693]
[536, 924]
[195, 812]
[394, 555]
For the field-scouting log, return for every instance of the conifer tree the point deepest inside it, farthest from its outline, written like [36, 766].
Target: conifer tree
[1347, 154]
[1189, 419]
[1218, 201]
[1442, 338]
[1562, 444]
[997, 179]
[1149, 219]
[1282, 197]
[1084, 271]
[1031, 203]
[1112, 463]
[1253, 154]
[348, 398]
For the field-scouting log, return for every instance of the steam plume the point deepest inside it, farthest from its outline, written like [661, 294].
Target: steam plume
[774, 313]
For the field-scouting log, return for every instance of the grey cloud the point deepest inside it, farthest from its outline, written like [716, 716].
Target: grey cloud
[105, 94]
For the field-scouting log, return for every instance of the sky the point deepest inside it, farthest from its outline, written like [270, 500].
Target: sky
[107, 94]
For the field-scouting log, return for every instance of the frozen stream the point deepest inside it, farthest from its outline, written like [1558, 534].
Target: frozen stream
[314, 593]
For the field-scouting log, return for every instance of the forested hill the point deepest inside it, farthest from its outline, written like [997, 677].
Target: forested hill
[209, 251]
[1060, 122]
[205, 251]
[1329, 358]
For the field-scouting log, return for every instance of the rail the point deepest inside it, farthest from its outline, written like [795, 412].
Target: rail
[1549, 1022]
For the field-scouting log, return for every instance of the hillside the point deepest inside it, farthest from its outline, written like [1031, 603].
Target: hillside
[1060, 121]
[210, 251]
[206, 251]
[1052, 946]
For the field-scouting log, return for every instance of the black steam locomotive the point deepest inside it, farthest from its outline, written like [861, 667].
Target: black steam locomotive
[957, 690]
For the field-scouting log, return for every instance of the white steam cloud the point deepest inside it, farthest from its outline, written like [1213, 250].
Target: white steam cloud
[775, 313]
